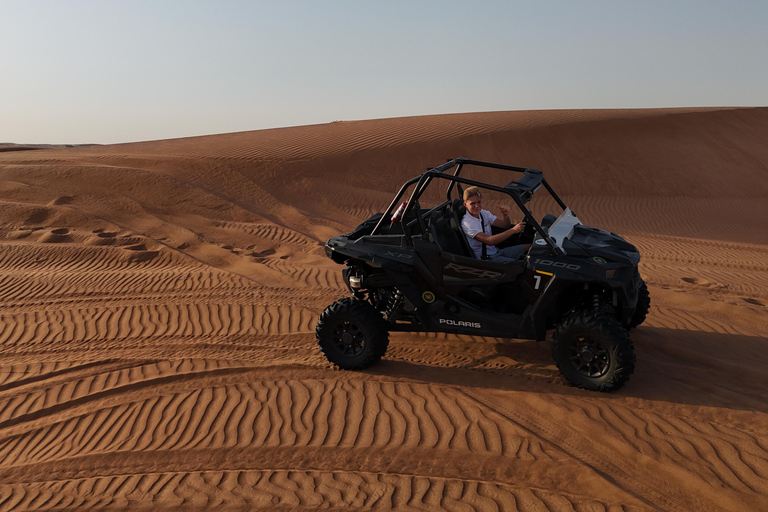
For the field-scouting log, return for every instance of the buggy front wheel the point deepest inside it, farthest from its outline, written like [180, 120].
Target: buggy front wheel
[593, 351]
[352, 334]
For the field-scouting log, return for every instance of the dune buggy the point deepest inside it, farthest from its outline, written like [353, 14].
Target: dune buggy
[410, 268]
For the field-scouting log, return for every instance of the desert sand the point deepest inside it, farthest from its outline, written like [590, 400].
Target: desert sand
[158, 303]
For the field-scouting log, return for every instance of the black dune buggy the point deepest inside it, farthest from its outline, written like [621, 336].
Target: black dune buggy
[411, 269]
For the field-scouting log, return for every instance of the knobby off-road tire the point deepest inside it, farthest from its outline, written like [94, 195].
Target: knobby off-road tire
[352, 334]
[593, 351]
[643, 305]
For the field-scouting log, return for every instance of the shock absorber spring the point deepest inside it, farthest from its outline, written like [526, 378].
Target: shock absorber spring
[394, 302]
[595, 302]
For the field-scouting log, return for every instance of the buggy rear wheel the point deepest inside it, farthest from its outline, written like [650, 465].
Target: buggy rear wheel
[352, 334]
[593, 351]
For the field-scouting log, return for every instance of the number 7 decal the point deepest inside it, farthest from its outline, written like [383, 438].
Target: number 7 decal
[537, 278]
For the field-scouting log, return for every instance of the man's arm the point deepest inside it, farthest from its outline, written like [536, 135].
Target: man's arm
[504, 221]
[500, 237]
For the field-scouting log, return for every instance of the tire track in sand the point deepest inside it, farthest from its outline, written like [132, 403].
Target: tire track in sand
[418, 437]
[657, 487]
[220, 436]
[730, 455]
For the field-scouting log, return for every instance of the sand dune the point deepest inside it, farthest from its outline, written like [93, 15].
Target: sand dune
[158, 303]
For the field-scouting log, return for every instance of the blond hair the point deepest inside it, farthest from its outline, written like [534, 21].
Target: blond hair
[472, 192]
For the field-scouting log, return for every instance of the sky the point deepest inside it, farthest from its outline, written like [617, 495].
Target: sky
[108, 71]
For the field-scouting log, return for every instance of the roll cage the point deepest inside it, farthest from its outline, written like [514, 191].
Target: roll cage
[521, 191]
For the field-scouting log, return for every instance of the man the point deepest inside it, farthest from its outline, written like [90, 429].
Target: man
[477, 223]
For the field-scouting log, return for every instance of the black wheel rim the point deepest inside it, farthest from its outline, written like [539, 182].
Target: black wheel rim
[589, 357]
[348, 338]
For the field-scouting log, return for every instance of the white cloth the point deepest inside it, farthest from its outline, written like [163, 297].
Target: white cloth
[472, 226]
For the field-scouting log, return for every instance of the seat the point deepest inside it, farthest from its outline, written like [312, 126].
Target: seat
[444, 235]
[457, 213]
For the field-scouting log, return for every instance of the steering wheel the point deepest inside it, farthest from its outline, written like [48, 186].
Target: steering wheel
[529, 230]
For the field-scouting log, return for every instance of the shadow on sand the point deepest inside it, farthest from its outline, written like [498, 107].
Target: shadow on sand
[676, 366]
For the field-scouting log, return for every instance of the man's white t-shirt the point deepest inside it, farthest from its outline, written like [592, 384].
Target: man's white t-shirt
[473, 226]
